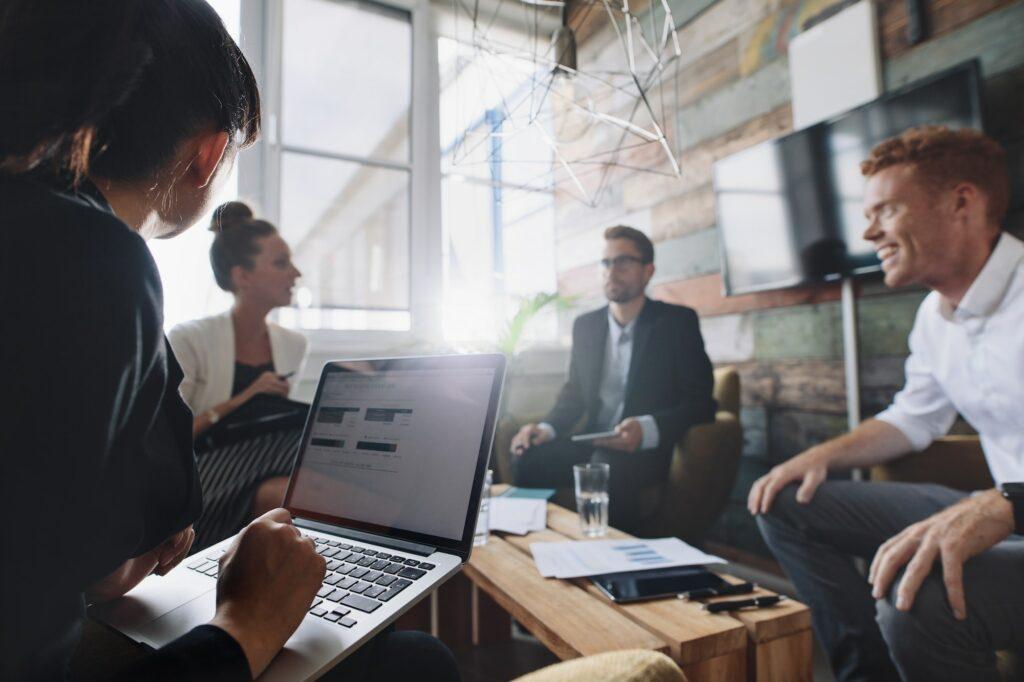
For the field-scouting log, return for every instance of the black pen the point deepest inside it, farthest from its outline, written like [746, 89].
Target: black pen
[724, 590]
[285, 376]
[736, 604]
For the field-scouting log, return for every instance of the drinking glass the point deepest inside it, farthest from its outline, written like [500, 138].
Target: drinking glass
[592, 498]
[483, 521]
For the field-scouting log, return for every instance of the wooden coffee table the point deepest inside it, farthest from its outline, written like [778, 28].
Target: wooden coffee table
[573, 618]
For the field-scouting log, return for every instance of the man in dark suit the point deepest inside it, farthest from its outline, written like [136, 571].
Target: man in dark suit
[638, 368]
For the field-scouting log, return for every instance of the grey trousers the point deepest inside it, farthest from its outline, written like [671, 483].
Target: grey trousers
[869, 640]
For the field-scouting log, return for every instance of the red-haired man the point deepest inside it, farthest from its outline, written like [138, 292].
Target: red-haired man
[946, 584]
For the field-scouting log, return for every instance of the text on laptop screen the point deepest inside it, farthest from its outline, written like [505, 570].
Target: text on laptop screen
[397, 448]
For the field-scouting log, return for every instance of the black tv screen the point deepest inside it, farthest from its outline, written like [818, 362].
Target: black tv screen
[789, 210]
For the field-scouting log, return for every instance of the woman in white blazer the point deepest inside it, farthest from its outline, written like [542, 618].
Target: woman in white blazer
[237, 363]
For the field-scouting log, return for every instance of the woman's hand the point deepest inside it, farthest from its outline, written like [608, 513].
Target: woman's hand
[160, 560]
[269, 383]
[268, 577]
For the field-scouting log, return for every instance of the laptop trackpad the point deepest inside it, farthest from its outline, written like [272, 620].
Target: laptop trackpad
[170, 626]
[151, 599]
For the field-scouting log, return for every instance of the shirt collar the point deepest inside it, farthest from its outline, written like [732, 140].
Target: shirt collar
[615, 331]
[987, 291]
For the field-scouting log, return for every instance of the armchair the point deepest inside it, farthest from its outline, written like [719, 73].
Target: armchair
[701, 474]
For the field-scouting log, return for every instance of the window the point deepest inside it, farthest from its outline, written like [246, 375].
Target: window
[345, 160]
[497, 219]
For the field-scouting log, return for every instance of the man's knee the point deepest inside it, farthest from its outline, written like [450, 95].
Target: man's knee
[903, 630]
[525, 469]
[927, 631]
[784, 513]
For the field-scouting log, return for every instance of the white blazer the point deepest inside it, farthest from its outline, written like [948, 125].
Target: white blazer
[206, 351]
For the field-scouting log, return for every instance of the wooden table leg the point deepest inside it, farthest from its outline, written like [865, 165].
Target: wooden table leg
[788, 658]
[491, 623]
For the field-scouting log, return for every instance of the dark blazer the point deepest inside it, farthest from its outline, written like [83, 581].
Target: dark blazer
[669, 377]
[96, 461]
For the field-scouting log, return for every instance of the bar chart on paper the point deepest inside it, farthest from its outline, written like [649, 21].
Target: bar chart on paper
[576, 559]
[641, 553]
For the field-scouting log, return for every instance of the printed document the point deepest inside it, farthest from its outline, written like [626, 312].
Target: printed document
[518, 515]
[576, 559]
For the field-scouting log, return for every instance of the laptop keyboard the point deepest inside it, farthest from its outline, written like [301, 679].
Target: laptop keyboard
[358, 580]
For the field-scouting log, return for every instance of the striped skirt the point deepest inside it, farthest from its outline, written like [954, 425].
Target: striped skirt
[230, 476]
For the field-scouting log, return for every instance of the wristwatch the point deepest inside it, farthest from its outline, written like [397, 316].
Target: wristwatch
[1014, 492]
[214, 417]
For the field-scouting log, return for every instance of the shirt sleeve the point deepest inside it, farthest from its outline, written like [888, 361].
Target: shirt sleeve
[205, 653]
[652, 437]
[921, 411]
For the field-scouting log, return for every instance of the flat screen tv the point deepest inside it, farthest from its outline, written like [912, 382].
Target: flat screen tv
[789, 210]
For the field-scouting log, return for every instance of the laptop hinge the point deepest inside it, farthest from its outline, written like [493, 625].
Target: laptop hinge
[392, 543]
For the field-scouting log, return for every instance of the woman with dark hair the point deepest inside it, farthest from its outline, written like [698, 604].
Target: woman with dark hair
[237, 367]
[117, 119]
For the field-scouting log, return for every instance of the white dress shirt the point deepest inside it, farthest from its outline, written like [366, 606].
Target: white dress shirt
[618, 353]
[971, 360]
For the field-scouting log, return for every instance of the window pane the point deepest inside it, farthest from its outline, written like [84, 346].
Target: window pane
[347, 78]
[496, 187]
[348, 228]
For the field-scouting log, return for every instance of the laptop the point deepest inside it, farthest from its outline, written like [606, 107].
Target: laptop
[386, 481]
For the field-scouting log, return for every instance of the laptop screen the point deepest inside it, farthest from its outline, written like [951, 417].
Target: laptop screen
[397, 446]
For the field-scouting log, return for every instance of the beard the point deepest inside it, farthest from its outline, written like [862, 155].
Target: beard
[621, 293]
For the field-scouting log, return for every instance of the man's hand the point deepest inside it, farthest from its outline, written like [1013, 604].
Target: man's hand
[807, 468]
[952, 536]
[629, 435]
[268, 577]
[159, 560]
[527, 437]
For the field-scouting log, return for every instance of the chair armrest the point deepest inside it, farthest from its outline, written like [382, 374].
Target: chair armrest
[954, 461]
[701, 476]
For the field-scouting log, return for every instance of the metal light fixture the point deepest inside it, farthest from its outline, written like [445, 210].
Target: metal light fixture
[594, 119]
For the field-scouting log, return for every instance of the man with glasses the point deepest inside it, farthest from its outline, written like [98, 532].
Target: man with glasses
[638, 368]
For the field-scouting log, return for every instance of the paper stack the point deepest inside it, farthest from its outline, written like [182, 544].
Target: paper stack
[518, 515]
[575, 559]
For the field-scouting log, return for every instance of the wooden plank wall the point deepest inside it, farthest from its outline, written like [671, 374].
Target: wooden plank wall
[733, 92]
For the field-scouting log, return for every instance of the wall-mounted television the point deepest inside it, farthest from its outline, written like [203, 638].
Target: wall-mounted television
[789, 210]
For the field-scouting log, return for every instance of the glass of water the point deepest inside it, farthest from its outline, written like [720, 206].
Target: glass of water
[483, 521]
[592, 498]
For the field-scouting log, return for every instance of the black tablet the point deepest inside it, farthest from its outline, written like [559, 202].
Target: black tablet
[656, 583]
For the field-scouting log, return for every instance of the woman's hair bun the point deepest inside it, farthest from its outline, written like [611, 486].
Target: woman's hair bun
[231, 214]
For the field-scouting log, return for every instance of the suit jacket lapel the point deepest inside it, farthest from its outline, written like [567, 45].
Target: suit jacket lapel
[595, 361]
[644, 326]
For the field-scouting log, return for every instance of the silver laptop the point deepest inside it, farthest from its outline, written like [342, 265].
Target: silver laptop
[386, 481]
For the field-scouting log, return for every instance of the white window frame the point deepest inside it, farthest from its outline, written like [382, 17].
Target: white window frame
[259, 173]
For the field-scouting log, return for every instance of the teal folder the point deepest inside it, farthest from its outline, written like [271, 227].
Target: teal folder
[530, 493]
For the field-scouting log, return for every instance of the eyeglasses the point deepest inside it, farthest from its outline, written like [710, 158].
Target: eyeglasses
[619, 262]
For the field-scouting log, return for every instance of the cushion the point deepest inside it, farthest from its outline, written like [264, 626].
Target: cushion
[639, 665]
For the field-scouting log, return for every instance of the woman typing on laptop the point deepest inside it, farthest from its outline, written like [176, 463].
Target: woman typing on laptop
[117, 119]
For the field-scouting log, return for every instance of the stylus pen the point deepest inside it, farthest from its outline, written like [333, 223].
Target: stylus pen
[736, 604]
[724, 590]
[286, 376]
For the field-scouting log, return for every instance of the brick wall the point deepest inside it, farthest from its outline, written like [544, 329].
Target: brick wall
[733, 92]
